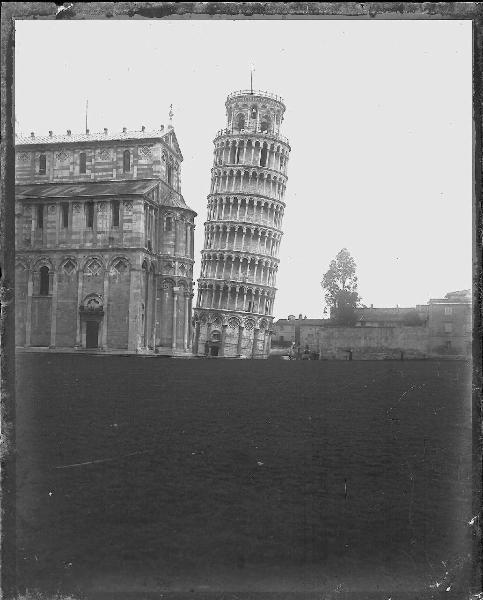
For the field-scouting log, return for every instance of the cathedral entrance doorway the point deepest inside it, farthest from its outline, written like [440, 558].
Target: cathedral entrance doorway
[92, 334]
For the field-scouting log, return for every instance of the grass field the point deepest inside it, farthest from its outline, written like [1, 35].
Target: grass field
[158, 474]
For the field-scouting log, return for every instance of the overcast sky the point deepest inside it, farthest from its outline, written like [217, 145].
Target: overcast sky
[378, 117]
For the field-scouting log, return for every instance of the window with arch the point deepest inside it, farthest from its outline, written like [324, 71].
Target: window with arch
[40, 216]
[65, 215]
[168, 223]
[169, 173]
[115, 213]
[263, 155]
[126, 161]
[82, 163]
[240, 121]
[253, 112]
[89, 215]
[44, 281]
[42, 164]
[265, 125]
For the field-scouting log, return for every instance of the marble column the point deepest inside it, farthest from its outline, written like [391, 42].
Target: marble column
[105, 300]
[240, 340]
[255, 342]
[223, 339]
[186, 321]
[28, 322]
[175, 318]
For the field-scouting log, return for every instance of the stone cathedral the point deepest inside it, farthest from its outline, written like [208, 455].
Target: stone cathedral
[236, 288]
[104, 243]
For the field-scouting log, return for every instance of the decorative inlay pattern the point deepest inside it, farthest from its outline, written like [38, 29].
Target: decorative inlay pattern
[69, 266]
[93, 267]
[62, 156]
[249, 323]
[234, 323]
[119, 266]
[145, 152]
[105, 154]
[23, 157]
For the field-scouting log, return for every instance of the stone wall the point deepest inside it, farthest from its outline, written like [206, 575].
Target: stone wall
[369, 343]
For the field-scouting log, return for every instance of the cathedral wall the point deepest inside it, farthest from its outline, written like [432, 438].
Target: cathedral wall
[21, 282]
[104, 161]
[118, 309]
[67, 309]
[41, 320]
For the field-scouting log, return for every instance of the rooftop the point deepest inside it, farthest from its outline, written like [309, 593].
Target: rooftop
[69, 137]
[88, 189]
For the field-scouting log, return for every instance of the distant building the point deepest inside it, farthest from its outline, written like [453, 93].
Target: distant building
[450, 324]
[437, 329]
[104, 242]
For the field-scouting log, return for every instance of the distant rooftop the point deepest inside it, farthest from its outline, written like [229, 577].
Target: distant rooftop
[70, 137]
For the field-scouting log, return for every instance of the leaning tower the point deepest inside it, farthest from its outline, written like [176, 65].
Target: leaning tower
[236, 289]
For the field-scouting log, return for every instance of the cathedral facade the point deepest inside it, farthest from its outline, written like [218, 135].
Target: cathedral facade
[104, 243]
[243, 230]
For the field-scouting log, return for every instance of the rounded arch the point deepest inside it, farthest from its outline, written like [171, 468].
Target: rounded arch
[167, 282]
[43, 261]
[234, 322]
[93, 299]
[119, 262]
[265, 124]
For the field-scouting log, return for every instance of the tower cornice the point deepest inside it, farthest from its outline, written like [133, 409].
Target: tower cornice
[228, 194]
[253, 134]
[246, 224]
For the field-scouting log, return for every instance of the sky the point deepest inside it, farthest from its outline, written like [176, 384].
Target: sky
[378, 117]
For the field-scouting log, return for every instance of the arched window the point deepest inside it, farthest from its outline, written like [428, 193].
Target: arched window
[253, 112]
[44, 281]
[115, 213]
[65, 215]
[82, 163]
[126, 162]
[169, 172]
[241, 121]
[265, 126]
[263, 155]
[42, 164]
[168, 224]
[40, 216]
[89, 215]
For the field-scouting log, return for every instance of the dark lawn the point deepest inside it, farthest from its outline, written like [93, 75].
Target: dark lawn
[252, 471]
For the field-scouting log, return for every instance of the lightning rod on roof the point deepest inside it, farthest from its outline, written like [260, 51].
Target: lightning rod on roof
[87, 107]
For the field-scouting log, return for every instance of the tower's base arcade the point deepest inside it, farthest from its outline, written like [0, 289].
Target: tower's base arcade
[231, 335]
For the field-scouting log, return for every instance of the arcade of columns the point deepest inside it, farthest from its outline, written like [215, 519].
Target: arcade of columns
[236, 289]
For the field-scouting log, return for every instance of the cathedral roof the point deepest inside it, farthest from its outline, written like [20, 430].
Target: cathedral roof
[92, 189]
[166, 135]
[83, 189]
